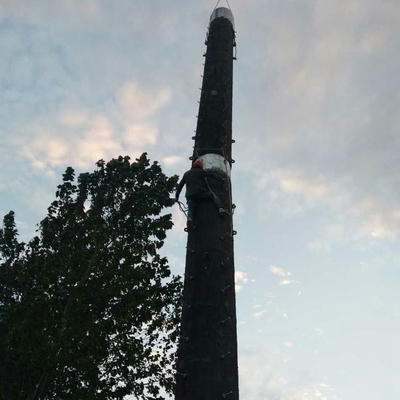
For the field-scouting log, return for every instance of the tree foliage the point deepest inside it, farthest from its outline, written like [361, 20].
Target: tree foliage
[88, 308]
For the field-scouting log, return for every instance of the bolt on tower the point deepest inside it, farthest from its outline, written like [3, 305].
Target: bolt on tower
[207, 367]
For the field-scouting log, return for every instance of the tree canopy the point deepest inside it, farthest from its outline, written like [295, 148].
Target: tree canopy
[88, 307]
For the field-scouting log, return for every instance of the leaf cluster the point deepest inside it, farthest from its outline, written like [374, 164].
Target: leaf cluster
[88, 308]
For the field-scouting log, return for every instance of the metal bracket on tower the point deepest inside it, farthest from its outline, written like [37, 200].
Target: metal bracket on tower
[222, 263]
[225, 355]
[225, 289]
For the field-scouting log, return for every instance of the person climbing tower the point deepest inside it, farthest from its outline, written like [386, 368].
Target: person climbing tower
[198, 189]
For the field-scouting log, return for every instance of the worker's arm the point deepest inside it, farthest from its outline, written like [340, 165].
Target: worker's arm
[180, 187]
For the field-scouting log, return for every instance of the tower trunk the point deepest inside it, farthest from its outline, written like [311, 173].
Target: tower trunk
[207, 366]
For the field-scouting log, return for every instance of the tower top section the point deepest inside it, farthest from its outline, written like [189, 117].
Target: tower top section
[222, 12]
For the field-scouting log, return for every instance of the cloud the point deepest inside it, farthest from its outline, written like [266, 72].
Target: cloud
[318, 331]
[305, 186]
[258, 314]
[139, 103]
[60, 74]
[327, 128]
[140, 134]
[286, 281]
[82, 149]
[81, 137]
[68, 11]
[98, 142]
[240, 280]
[172, 160]
[277, 271]
[264, 375]
[281, 312]
[74, 118]
[45, 150]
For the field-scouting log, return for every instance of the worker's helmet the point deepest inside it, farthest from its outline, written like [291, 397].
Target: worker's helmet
[198, 163]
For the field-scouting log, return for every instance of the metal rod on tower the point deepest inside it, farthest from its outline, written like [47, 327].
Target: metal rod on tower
[207, 366]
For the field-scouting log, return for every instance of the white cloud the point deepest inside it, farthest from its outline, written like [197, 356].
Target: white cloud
[46, 150]
[68, 11]
[286, 281]
[293, 192]
[368, 213]
[139, 103]
[241, 276]
[281, 312]
[277, 270]
[172, 160]
[240, 279]
[73, 118]
[305, 186]
[318, 331]
[263, 375]
[140, 134]
[99, 142]
[337, 142]
[80, 137]
[258, 314]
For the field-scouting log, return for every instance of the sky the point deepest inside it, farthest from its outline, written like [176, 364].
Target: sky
[316, 182]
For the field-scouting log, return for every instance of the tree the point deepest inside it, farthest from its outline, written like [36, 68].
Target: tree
[88, 308]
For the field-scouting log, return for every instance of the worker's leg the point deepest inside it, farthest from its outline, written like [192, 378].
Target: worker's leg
[218, 203]
[191, 202]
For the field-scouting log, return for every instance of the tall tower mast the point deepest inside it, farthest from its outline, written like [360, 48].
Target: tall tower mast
[207, 366]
